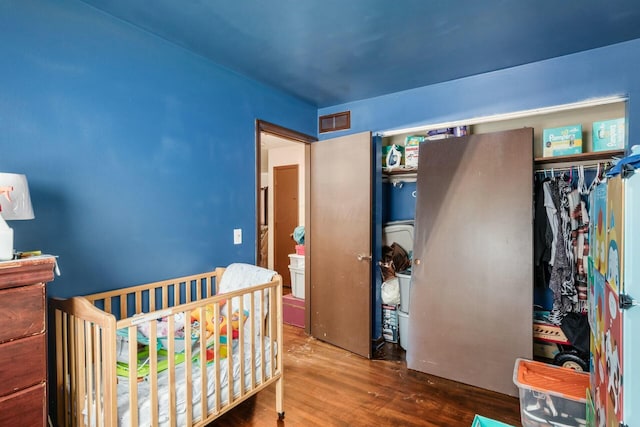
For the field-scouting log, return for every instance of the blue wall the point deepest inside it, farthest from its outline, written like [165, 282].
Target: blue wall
[140, 155]
[603, 72]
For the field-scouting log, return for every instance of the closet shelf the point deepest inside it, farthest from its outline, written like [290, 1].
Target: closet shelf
[598, 155]
[399, 171]
[401, 175]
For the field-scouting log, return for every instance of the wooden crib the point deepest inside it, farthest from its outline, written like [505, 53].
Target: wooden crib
[124, 357]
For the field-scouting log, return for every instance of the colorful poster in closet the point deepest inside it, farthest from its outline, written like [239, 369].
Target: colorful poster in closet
[599, 219]
[607, 372]
[615, 233]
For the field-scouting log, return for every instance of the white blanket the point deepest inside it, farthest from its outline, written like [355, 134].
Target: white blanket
[241, 276]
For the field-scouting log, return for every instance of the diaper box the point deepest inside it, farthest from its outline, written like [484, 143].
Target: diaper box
[562, 141]
[608, 135]
[411, 149]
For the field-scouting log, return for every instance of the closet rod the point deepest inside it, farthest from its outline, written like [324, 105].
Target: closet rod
[603, 165]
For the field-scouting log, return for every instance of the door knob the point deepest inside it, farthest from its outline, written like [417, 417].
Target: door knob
[363, 257]
[416, 261]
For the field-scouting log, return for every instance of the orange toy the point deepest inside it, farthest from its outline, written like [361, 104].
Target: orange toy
[210, 324]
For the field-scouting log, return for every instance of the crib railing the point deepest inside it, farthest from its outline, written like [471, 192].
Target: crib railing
[127, 302]
[86, 336]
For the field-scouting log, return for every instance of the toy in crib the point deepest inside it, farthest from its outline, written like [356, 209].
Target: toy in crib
[236, 319]
[162, 326]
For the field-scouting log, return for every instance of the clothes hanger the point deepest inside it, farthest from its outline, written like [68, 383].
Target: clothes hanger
[582, 189]
[596, 180]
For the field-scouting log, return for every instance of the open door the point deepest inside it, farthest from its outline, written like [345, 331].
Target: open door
[472, 290]
[340, 242]
[285, 217]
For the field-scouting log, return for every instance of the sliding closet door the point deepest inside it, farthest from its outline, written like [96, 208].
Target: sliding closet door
[471, 306]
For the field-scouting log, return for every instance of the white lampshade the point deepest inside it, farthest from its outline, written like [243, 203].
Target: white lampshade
[16, 204]
[19, 205]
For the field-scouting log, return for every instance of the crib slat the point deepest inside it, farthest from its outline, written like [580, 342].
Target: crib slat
[252, 338]
[124, 301]
[202, 360]
[218, 359]
[272, 332]
[108, 344]
[240, 346]
[98, 382]
[133, 375]
[153, 372]
[261, 341]
[92, 396]
[229, 360]
[81, 360]
[74, 368]
[165, 296]
[188, 364]
[172, 369]
[187, 291]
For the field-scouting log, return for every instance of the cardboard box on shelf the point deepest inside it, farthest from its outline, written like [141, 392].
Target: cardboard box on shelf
[411, 150]
[608, 135]
[562, 141]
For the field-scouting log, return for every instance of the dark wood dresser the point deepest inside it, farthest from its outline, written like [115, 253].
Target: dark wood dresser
[23, 343]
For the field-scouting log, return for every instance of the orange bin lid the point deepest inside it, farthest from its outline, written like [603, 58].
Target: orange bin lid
[551, 379]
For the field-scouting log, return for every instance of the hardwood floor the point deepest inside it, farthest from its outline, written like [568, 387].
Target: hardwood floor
[328, 386]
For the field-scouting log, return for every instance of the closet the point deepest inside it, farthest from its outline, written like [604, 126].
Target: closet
[472, 295]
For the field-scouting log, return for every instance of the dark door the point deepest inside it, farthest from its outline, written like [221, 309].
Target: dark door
[471, 298]
[340, 242]
[285, 212]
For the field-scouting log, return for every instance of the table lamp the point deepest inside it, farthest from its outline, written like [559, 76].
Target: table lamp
[15, 203]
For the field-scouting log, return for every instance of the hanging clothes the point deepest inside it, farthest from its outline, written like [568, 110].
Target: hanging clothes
[562, 242]
[543, 237]
[580, 244]
[561, 282]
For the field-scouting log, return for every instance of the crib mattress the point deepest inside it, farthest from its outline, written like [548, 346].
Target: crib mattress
[144, 404]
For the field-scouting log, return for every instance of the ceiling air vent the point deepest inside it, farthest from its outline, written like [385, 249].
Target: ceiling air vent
[337, 121]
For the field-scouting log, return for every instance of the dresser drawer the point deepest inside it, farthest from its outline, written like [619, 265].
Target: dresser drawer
[25, 408]
[21, 311]
[22, 363]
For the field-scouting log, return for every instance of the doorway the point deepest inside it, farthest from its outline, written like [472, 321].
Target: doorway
[279, 148]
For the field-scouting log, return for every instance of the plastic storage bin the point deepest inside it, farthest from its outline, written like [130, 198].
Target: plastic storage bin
[296, 261]
[297, 281]
[296, 269]
[480, 421]
[550, 395]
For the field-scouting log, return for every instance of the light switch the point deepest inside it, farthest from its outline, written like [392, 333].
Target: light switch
[237, 236]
